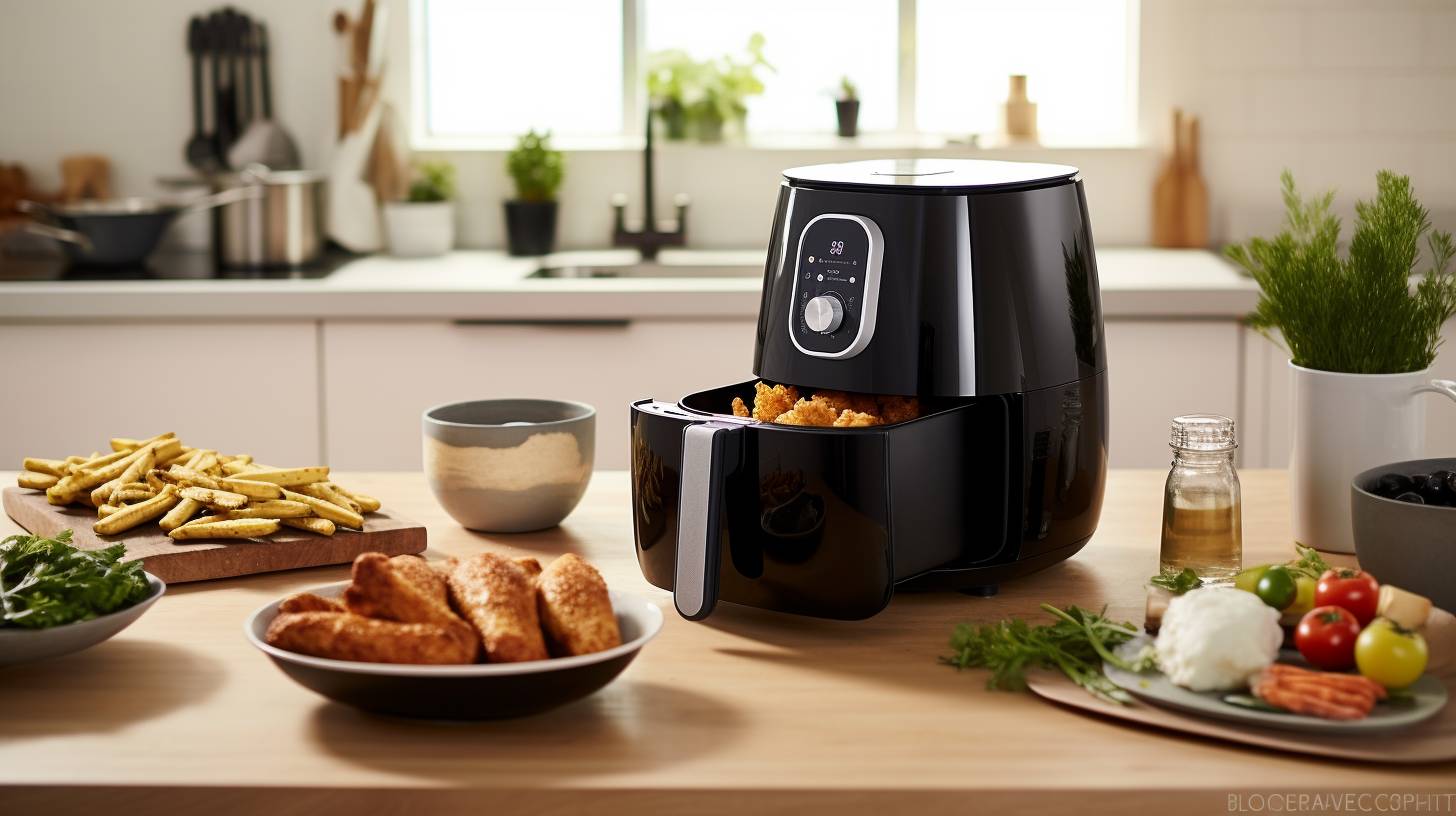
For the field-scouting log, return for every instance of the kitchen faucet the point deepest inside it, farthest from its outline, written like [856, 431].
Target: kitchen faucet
[649, 238]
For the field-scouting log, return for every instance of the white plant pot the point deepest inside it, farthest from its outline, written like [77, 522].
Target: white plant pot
[419, 229]
[1343, 424]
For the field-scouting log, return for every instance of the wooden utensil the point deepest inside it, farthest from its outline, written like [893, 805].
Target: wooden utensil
[1194, 207]
[203, 560]
[1168, 193]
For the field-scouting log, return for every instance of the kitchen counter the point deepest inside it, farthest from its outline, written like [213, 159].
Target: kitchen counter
[492, 286]
[749, 712]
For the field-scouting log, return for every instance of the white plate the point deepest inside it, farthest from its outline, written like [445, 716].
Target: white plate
[1153, 686]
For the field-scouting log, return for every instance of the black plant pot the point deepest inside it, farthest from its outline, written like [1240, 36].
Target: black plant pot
[848, 110]
[530, 227]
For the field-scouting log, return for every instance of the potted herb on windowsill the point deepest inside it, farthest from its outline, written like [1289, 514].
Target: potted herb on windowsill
[1361, 340]
[674, 82]
[846, 108]
[424, 224]
[727, 84]
[536, 170]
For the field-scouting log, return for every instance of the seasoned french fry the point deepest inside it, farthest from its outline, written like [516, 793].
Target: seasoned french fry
[184, 476]
[236, 468]
[179, 514]
[214, 498]
[322, 491]
[122, 443]
[204, 463]
[342, 516]
[273, 509]
[52, 467]
[367, 504]
[127, 494]
[250, 488]
[129, 517]
[73, 486]
[36, 481]
[98, 461]
[181, 457]
[105, 510]
[146, 457]
[321, 526]
[290, 477]
[230, 528]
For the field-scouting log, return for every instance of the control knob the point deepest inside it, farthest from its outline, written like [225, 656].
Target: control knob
[823, 314]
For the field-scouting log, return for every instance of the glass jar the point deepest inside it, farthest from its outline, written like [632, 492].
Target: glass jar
[1202, 525]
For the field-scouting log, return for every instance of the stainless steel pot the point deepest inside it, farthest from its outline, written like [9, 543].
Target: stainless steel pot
[282, 227]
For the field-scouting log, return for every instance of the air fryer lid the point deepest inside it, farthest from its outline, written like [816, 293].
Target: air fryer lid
[931, 175]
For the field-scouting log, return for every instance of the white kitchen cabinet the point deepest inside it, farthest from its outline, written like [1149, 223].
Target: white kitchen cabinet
[379, 377]
[1159, 369]
[238, 387]
[1270, 384]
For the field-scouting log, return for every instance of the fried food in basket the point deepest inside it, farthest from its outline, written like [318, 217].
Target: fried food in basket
[498, 597]
[195, 493]
[826, 408]
[576, 611]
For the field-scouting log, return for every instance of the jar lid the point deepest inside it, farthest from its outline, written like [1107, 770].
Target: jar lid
[1203, 432]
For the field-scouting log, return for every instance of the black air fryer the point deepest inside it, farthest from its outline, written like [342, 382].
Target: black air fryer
[968, 284]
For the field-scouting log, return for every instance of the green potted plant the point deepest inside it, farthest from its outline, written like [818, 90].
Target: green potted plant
[727, 83]
[846, 107]
[537, 171]
[675, 85]
[423, 224]
[1361, 340]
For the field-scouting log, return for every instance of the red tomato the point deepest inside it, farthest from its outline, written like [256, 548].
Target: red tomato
[1354, 590]
[1326, 637]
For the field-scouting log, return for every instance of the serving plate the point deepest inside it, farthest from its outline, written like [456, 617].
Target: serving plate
[1428, 695]
[29, 645]
[477, 691]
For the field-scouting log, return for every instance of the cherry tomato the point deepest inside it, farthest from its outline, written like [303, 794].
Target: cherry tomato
[1350, 589]
[1389, 655]
[1277, 587]
[1326, 637]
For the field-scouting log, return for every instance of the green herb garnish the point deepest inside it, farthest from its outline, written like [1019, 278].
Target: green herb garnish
[1310, 563]
[1077, 644]
[47, 582]
[1177, 583]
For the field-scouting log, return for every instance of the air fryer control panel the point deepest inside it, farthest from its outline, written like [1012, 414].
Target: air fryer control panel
[836, 285]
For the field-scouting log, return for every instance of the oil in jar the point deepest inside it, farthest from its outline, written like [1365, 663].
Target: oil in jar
[1202, 523]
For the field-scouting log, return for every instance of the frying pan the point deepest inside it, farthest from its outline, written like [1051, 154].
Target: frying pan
[120, 232]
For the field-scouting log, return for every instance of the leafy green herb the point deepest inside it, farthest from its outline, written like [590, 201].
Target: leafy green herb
[1357, 314]
[1177, 583]
[1310, 563]
[1077, 644]
[47, 582]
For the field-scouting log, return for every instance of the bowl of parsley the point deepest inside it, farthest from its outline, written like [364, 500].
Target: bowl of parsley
[56, 599]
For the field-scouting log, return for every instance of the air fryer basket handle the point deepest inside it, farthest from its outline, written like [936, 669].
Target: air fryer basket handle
[709, 455]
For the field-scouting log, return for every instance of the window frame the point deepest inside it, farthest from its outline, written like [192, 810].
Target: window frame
[634, 96]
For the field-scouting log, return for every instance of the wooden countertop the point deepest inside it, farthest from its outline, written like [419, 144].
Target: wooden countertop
[749, 712]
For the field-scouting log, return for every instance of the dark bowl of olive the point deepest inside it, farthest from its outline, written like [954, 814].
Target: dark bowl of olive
[1404, 517]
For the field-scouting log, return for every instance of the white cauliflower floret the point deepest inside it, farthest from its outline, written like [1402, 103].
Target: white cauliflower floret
[1216, 638]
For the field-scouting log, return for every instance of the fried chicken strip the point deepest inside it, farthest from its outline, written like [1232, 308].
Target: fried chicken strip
[575, 609]
[397, 592]
[739, 409]
[345, 636]
[855, 419]
[308, 602]
[496, 595]
[812, 412]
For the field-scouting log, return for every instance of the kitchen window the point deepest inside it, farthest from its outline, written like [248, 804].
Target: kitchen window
[925, 69]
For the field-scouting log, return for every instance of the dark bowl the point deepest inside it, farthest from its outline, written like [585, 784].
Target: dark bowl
[1412, 546]
[481, 691]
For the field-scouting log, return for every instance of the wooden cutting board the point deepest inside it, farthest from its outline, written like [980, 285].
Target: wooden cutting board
[175, 562]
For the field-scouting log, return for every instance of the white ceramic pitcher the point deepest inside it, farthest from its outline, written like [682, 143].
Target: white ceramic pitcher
[1343, 424]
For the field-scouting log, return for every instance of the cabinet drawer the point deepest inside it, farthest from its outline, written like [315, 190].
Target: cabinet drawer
[71, 387]
[379, 377]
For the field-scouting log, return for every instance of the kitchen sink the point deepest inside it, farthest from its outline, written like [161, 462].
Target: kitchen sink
[647, 270]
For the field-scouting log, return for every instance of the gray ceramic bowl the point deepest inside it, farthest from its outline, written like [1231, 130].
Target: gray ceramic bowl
[1412, 546]
[29, 645]
[509, 465]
